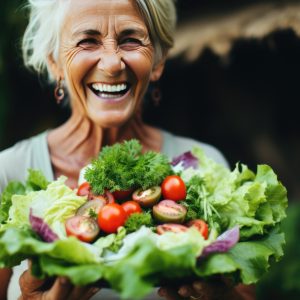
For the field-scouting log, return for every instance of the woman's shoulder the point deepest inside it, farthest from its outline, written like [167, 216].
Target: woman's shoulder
[174, 145]
[16, 160]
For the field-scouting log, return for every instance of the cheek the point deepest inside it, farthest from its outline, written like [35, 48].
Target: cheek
[141, 64]
[78, 65]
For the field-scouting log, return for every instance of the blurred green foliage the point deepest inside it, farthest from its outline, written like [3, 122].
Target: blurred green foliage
[12, 22]
[283, 280]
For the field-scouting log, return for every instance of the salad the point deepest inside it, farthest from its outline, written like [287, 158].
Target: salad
[137, 220]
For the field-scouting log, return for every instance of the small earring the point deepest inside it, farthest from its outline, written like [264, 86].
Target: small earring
[59, 92]
[156, 95]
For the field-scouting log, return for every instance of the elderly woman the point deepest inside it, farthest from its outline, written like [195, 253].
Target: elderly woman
[102, 54]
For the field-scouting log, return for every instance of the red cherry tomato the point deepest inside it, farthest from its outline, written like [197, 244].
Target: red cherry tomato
[131, 207]
[84, 228]
[122, 195]
[84, 189]
[200, 225]
[111, 217]
[173, 188]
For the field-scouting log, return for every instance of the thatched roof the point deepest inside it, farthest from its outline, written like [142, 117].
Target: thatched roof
[218, 32]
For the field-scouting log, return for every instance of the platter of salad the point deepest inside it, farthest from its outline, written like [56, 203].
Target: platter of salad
[137, 220]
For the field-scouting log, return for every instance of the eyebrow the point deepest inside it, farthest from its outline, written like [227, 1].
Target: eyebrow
[90, 32]
[132, 31]
[93, 32]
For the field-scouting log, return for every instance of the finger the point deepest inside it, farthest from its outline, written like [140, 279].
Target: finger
[83, 292]
[198, 286]
[186, 291]
[30, 284]
[60, 290]
[169, 294]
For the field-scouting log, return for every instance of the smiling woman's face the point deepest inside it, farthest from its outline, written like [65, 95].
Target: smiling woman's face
[106, 59]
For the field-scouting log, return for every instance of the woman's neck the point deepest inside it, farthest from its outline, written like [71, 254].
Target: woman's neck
[76, 142]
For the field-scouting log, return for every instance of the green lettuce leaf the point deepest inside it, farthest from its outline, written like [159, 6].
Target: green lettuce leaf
[13, 188]
[250, 259]
[54, 205]
[224, 198]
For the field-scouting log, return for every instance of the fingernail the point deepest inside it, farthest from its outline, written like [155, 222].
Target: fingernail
[183, 291]
[198, 286]
[162, 292]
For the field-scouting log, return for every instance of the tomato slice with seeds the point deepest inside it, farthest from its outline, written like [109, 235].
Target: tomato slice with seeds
[200, 225]
[84, 228]
[84, 189]
[176, 228]
[147, 198]
[91, 208]
[107, 196]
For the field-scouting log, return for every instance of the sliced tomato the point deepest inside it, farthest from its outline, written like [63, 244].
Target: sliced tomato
[147, 198]
[84, 189]
[84, 228]
[200, 225]
[107, 196]
[131, 207]
[168, 211]
[173, 188]
[91, 208]
[160, 229]
[122, 195]
[111, 217]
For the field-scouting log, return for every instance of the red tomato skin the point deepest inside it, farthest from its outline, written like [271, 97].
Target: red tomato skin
[111, 217]
[131, 207]
[122, 195]
[84, 189]
[200, 225]
[173, 188]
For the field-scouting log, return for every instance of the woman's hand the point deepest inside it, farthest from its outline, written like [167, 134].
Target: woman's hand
[213, 290]
[59, 289]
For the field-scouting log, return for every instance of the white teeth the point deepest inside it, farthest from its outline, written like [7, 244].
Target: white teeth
[109, 87]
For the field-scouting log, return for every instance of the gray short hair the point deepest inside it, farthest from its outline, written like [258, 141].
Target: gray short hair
[41, 37]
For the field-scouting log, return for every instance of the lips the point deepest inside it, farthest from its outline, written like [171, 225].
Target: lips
[108, 90]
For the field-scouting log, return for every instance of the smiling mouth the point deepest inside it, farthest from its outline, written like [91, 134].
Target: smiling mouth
[110, 91]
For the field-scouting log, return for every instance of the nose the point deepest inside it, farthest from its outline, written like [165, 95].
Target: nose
[111, 63]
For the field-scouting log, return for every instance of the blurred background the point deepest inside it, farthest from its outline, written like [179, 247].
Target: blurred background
[231, 80]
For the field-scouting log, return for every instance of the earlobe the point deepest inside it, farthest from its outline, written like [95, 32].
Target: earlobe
[157, 70]
[54, 68]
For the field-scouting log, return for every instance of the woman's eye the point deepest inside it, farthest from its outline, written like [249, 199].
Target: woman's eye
[130, 43]
[88, 42]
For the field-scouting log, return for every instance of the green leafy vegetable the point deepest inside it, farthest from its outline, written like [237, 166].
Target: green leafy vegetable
[118, 240]
[36, 180]
[136, 220]
[123, 167]
[13, 188]
[224, 198]
[133, 263]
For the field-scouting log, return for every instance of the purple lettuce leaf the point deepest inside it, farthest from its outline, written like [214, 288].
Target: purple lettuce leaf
[186, 160]
[223, 243]
[42, 229]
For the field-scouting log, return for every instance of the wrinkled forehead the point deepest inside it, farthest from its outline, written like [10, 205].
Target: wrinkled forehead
[95, 13]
